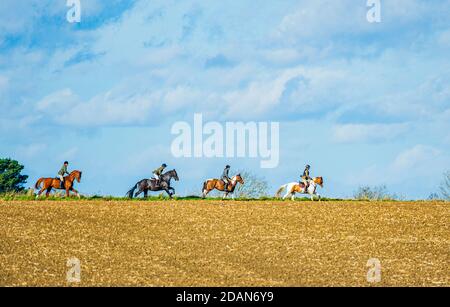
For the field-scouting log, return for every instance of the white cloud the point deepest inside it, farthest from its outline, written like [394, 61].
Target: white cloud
[444, 38]
[4, 82]
[69, 154]
[418, 157]
[420, 163]
[31, 150]
[354, 133]
[57, 102]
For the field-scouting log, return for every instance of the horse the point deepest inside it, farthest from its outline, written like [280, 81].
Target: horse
[55, 183]
[219, 184]
[295, 187]
[146, 185]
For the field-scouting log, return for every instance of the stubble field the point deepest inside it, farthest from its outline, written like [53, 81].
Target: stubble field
[215, 243]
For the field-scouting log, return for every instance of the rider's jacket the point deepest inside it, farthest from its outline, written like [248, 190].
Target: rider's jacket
[225, 174]
[306, 174]
[63, 170]
[159, 171]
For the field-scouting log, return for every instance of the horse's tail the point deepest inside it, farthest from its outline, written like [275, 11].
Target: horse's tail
[205, 189]
[38, 183]
[281, 189]
[131, 192]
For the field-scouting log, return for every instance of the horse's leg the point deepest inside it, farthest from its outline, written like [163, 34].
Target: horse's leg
[293, 197]
[48, 191]
[168, 192]
[67, 192]
[76, 192]
[40, 192]
[145, 193]
[205, 193]
[312, 195]
[225, 195]
[139, 192]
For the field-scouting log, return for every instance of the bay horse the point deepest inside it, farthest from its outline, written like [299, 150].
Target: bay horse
[219, 184]
[146, 185]
[295, 187]
[55, 183]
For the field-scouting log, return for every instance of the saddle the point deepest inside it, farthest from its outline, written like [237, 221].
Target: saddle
[156, 182]
[303, 186]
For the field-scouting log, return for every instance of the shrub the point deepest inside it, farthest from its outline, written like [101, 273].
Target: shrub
[254, 187]
[373, 193]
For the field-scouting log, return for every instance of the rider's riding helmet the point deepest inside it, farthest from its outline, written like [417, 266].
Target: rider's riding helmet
[65, 162]
[227, 166]
[308, 166]
[164, 165]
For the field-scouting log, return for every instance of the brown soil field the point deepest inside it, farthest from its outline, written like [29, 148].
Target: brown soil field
[232, 243]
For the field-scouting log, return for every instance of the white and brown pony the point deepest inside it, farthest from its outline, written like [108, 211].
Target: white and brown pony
[295, 187]
[219, 184]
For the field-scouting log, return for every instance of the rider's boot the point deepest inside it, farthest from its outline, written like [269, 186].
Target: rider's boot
[62, 183]
[305, 183]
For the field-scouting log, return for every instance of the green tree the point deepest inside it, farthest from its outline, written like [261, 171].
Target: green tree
[11, 179]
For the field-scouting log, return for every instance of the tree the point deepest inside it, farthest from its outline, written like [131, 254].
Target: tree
[373, 193]
[254, 187]
[11, 179]
[445, 186]
[434, 196]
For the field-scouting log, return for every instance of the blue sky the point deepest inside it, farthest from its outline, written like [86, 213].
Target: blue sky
[363, 103]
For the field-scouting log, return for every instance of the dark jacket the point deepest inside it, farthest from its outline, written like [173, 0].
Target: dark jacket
[306, 174]
[225, 174]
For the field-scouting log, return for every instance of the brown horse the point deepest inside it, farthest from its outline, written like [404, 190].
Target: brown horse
[55, 183]
[295, 187]
[219, 184]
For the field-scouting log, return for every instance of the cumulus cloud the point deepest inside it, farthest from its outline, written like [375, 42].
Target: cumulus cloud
[133, 63]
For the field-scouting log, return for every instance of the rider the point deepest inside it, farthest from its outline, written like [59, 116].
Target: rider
[305, 177]
[225, 177]
[158, 172]
[62, 172]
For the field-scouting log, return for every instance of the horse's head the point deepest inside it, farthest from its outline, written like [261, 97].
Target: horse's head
[319, 181]
[169, 175]
[239, 179]
[76, 175]
[175, 175]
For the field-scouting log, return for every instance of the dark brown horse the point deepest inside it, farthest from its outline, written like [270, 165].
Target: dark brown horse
[219, 184]
[146, 185]
[55, 183]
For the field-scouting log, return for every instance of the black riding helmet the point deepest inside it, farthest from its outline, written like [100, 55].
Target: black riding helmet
[308, 166]
[65, 162]
[227, 166]
[164, 165]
